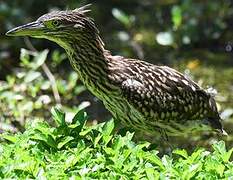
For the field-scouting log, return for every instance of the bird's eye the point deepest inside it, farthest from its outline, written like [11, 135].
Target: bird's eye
[56, 23]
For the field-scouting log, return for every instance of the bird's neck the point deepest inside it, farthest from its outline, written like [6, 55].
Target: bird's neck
[90, 60]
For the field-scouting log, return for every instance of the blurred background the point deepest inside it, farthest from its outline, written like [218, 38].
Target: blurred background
[194, 37]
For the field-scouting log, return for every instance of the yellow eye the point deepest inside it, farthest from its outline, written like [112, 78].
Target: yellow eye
[56, 23]
[52, 23]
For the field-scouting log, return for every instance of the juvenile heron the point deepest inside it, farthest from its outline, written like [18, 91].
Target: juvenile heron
[144, 96]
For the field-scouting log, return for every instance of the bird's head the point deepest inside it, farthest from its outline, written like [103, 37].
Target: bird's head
[60, 27]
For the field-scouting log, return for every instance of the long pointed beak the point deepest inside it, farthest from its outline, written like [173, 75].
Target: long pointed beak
[30, 29]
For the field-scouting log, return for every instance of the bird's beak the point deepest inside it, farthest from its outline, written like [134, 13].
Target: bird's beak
[31, 29]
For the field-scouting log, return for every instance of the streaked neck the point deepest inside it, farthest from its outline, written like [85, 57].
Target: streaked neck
[89, 59]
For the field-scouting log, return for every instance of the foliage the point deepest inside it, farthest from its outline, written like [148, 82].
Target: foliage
[193, 36]
[29, 92]
[76, 150]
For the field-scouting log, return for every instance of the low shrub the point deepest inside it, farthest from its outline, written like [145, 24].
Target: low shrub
[73, 150]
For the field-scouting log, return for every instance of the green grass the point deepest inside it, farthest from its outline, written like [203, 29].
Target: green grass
[74, 150]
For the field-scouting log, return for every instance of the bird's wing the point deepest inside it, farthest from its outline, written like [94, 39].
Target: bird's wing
[160, 92]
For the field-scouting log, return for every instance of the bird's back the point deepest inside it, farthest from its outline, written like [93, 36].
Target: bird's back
[159, 95]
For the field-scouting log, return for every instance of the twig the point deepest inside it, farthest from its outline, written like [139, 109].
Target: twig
[53, 83]
[47, 71]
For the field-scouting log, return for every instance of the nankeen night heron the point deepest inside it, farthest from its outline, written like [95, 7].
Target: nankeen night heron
[141, 95]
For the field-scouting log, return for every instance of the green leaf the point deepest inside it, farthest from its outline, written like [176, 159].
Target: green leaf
[118, 143]
[181, 152]
[64, 141]
[86, 131]
[196, 156]
[58, 57]
[43, 126]
[220, 147]
[73, 126]
[227, 155]
[40, 58]
[31, 76]
[39, 136]
[193, 169]
[167, 161]
[153, 158]
[151, 173]
[51, 142]
[107, 130]
[8, 137]
[80, 118]
[58, 116]
[176, 16]
[24, 57]
[213, 164]
[121, 16]
[97, 139]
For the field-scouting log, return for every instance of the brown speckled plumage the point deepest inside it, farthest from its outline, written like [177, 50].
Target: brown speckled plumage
[139, 94]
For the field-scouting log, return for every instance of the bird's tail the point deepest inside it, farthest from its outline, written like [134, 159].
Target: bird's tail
[216, 124]
[214, 119]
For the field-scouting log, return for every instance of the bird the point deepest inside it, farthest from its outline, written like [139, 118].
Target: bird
[140, 95]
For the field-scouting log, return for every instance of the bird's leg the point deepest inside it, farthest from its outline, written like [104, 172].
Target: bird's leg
[120, 128]
[164, 135]
[165, 139]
